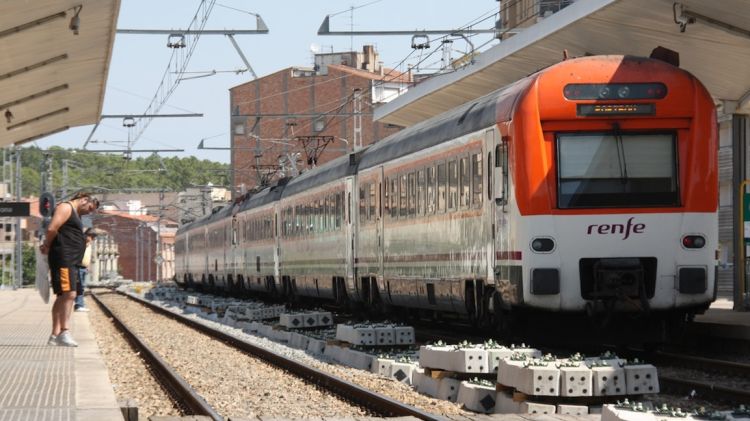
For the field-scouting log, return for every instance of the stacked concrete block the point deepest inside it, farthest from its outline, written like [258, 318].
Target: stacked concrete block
[539, 378]
[448, 389]
[495, 355]
[641, 378]
[476, 396]
[528, 407]
[470, 359]
[528, 351]
[463, 358]
[626, 413]
[359, 359]
[316, 346]
[402, 371]
[298, 340]
[505, 404]
[292, 320]
[575, 379]
[436, 356]
[426, 384]
[607, 379]
[404, 335]
[332, 351]
[509, 370]
[356, 334]
[574, 410]
[384, 335]
[382, 365]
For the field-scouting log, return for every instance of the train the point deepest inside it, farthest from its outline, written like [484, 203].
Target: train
[588, 188]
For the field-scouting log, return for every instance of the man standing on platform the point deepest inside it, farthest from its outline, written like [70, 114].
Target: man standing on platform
[83, 271]
[65, 245]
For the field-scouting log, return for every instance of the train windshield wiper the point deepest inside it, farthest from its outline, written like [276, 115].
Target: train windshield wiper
[621, 160]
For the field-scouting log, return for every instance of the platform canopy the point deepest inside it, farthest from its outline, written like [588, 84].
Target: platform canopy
[50, 78]
[711, 37]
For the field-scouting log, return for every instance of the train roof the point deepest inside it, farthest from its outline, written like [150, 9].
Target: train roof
[333, 170]
[265, 196]
[218, 213]
[470, 117]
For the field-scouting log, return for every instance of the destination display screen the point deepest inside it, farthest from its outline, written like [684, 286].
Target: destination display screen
[591, 110]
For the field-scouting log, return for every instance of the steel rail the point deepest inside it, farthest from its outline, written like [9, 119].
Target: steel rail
[704, 390]
[375, 402]
[176, 386]
[702, 363]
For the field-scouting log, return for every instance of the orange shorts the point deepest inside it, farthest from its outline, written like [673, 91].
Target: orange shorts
[64, 279]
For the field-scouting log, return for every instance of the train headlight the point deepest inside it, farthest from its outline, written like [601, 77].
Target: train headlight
[693, 241]
[542, 244]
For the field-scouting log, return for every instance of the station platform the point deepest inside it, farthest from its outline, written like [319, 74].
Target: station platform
[42, 382]
[722, 321]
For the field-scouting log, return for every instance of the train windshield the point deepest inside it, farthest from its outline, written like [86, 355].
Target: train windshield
[597, 170]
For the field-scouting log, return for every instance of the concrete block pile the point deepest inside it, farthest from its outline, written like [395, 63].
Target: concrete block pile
[375, 334]
[638, 411]
[305, 319]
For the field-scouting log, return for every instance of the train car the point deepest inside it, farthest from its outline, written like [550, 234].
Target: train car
[257, 242]
[317, 231]
[589, 187]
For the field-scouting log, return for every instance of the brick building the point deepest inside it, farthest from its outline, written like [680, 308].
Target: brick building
[136, 237]
[297, 118]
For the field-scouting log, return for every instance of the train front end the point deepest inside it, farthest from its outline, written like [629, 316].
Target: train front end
[615, 178]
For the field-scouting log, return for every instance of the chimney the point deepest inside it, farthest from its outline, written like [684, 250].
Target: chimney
[369, 58]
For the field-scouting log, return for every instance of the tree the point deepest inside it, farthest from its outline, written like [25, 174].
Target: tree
[29, 264]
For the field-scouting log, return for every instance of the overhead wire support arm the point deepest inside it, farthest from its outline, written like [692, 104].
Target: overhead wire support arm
[325, 29]
[150, 115]
[193, 32]
[242, 56]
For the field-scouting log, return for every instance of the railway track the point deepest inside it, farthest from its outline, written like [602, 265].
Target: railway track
[712, 390]
[178, 389]
[376, 403]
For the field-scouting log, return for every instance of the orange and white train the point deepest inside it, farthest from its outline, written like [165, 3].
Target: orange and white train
[589, 187]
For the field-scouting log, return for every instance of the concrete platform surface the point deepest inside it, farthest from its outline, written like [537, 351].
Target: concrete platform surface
[42, 382]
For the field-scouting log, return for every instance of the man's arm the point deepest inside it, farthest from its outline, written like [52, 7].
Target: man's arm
[62, 213]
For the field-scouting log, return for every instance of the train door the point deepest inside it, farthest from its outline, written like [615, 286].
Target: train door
[277, 243]
[381, 233]
[206, 253]
[505, 260]
[350, 236]
[234, 257]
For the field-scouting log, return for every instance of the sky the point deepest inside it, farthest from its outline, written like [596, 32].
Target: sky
[139, 61]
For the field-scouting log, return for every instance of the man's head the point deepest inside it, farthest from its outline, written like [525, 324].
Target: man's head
[86, 203]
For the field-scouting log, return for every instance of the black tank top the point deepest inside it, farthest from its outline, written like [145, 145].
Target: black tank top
[70, 244]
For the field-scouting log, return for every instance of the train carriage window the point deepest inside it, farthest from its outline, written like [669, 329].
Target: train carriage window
[394, 197]
[322, 212]
[452, 184]
[477, 178]
[442, 186]
[617, 170]
[362, 204]
[373, 203]
[501, 172]
[338, 210]
[412, 194]
[464, 181]
[431, 190]
[329, 213]
[420, 192]
[403, 195]
[387, 199]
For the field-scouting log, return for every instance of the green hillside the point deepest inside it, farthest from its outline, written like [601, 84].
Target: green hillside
[99, 172]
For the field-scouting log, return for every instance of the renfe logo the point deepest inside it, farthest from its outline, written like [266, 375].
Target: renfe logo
[625, 229]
